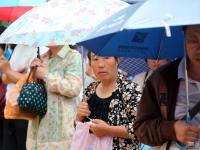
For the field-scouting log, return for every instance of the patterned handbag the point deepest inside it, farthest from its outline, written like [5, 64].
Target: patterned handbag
[33, 96]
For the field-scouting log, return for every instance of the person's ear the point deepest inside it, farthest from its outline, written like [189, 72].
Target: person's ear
[118, 61]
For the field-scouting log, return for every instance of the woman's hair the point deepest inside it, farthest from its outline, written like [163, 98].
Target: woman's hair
[2, 28]
[89, 57]
[12, 46]
[73, 46]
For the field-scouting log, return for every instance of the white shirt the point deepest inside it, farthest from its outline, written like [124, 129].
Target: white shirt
[141, 77]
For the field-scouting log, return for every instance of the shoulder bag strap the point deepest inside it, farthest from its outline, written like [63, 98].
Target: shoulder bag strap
[193, 111]
[145, 79]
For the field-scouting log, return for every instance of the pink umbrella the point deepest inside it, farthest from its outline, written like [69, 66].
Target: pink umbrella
[12, 13]
[60, 22]
[13, 9]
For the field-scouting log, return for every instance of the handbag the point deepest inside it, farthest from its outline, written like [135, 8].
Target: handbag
[12, 109]
[83, 140]
[33, 95]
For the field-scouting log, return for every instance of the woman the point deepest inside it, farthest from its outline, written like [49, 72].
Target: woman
[111, 104]
[60, 68]
[15, 130]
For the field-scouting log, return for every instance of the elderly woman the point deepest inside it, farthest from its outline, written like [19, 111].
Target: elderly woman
[111, 104]
[61, 70]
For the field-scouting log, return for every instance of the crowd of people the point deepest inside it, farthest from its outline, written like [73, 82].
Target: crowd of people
[150, 109]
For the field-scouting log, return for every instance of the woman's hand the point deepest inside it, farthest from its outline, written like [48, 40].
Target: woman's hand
[4, 64]
[99, 127]
[82, 111]
[36, 63]
[41, 70]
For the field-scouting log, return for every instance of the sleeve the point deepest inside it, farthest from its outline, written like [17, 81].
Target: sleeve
[69, 85]
[150, 127]
[90, 90]
[131, 96]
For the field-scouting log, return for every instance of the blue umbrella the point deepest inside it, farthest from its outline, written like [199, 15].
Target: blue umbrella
[133, 66]
[142, 43]
[145, 29]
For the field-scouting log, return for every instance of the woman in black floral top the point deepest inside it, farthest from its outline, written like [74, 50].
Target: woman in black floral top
[111, 104]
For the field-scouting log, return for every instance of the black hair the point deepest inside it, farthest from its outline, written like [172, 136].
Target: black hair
[2, 28]
[89, 57]
[73, 46]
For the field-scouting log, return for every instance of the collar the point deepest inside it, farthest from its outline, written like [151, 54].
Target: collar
[181, 71]
[64, 51]
[120, 79]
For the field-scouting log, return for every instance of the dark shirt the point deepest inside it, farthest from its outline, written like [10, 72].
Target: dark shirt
[99, 107]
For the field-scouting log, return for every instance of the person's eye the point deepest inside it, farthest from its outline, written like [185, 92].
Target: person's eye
[95, 58]
[107, 58]
[191, 41]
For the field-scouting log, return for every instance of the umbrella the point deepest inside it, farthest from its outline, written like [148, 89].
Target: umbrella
[59, 22]
[9, 3]
[133, 66]
[145, 30]
[12, 13]
[143, 43]
[13, 9]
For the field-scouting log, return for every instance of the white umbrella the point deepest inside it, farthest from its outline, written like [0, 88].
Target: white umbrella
[59, 22]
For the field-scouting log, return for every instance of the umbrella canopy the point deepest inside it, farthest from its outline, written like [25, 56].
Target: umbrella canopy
[12, 13]
[60, 22]
[133, 66]
[9, 3]
[143, 43]
[143, 30]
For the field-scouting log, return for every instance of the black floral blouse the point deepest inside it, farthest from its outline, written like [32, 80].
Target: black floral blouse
[122, 110]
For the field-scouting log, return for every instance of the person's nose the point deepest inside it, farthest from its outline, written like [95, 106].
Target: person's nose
[101, 63]
[156, 64]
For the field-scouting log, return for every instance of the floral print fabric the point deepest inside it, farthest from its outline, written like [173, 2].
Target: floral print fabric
[122, 110]
[63, 83]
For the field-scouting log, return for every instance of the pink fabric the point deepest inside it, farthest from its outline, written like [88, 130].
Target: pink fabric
[83, 140]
